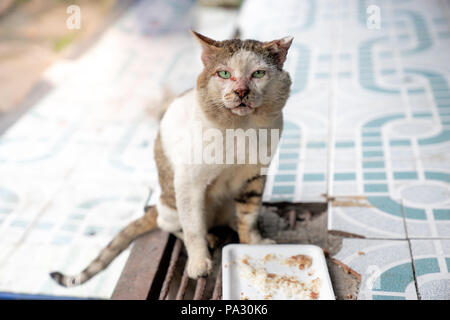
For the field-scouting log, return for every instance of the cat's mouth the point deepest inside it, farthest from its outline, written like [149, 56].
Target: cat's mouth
[242, 109]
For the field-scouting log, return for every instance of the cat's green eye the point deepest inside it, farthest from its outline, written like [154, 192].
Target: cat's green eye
[224, 74]
[258, 74]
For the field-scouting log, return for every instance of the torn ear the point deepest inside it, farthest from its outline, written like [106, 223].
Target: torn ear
[279, 48]
[210, 47]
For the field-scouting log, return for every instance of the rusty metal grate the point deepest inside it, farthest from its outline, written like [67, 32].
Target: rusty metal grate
[156, 267]
[200, 286]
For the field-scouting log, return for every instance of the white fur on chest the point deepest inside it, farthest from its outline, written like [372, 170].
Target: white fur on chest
[182, 135]
[181, 128]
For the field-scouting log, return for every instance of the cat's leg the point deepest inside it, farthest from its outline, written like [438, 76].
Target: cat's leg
[167, 217]
[210, 238]
[190, 197]
[168, 221]
[248, 204]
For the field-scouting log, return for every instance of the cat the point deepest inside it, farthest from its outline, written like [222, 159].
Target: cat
[242, 86]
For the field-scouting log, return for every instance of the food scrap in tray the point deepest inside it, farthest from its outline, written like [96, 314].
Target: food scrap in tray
[270, 283]
[300, 260]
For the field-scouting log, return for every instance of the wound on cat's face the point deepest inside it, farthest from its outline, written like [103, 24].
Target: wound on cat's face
[241, 75]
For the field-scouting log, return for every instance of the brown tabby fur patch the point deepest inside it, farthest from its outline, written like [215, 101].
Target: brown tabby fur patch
[165, 175]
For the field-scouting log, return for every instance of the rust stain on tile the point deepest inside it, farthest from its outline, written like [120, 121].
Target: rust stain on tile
[345, 234]
[348, 201]
[346, 268]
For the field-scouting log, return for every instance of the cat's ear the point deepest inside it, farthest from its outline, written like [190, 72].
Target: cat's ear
[279, 48]
[210, 47]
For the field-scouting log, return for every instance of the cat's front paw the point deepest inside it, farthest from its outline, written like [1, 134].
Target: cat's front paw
[199, 267]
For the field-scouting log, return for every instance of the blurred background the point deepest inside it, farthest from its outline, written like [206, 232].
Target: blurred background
[34, 35]
[367, 130]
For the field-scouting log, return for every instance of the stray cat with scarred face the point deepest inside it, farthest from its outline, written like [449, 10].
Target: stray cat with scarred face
[242, 86]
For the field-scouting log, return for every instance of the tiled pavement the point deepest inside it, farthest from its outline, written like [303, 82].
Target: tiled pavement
[371, 118]
[366, 128]
[376, 108]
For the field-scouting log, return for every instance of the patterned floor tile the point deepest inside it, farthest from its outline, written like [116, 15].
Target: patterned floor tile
[299, 175]
[370, 217]
[297, 172]
[427, 214]
[129, 158]
[432, 268]
[385, 268]
[66, 235]
[22, 201]
[397, 108]
[32, 277]
[45, 156]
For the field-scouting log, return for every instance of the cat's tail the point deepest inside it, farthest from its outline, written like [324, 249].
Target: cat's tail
[120, 242]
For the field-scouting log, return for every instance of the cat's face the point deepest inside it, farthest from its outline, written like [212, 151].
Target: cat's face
[241, 77]
[240, 82]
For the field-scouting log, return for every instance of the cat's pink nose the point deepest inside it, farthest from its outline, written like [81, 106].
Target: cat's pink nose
[242, 92]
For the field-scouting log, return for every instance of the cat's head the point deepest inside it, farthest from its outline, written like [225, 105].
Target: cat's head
[243, 77]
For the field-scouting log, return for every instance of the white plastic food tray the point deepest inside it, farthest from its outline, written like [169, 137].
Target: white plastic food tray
[236, 286]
